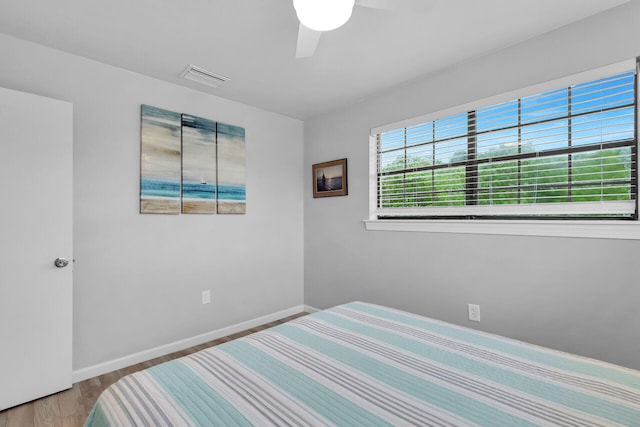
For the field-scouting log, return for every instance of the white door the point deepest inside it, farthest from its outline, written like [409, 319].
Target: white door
[36, 226]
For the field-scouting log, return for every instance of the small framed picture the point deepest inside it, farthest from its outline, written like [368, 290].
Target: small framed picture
[330, 178]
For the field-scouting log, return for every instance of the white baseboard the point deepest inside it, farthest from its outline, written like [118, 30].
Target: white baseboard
[310, 309]
[123, 362]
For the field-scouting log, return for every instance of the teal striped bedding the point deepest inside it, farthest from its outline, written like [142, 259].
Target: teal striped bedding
[361, 364]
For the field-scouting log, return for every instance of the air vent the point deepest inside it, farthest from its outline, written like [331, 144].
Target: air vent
[204, 77]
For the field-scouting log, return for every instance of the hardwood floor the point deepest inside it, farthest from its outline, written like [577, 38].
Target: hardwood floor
[70, 408]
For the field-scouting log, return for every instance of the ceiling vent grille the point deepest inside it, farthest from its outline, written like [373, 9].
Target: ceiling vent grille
[204, 77]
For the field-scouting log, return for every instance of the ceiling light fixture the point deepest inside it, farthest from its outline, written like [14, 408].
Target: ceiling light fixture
[323, 15]
[203, 76]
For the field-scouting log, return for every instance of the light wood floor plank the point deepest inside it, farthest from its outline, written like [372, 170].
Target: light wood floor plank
[128, 370]
[47, 412]
[3, 418]
[69, 401]
[70, 408]
[107, 379]
[90, 390]
[73, 421]
[21, 416]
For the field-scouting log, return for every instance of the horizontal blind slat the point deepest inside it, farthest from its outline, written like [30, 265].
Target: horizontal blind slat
[575, 145]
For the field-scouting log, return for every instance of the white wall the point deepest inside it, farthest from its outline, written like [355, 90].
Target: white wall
[578, 295]
[138, 278]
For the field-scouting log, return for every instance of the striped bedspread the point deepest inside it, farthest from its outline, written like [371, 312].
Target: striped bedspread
[360, 364]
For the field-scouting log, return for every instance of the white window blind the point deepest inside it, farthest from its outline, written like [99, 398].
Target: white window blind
[569, 152]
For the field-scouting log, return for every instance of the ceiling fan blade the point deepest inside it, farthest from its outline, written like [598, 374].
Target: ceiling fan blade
[307, 41]
[408, 6]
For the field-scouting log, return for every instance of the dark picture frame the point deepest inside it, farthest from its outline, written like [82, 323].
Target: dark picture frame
[330, 178]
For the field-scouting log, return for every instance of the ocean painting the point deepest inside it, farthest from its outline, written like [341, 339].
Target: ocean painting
[198, 165]
[231, 169]
[330, 178]
[160, 164]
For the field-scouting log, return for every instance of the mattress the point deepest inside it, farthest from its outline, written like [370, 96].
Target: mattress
[361, 364]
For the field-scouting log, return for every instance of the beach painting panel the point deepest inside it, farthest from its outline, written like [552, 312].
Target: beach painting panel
[231, 169]
[160, 164]
[198, 165]
[330, 178]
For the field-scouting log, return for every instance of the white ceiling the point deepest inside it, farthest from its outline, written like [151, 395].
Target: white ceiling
[253, 42]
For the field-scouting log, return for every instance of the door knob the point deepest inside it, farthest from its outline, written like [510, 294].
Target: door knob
[61, 262]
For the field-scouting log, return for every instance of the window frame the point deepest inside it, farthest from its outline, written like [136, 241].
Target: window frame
[614, 229]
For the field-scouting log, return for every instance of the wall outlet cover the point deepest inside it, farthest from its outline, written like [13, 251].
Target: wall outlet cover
[206, 297]
[474, 312]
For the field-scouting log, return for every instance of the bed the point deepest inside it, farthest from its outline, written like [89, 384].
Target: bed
[360, 364]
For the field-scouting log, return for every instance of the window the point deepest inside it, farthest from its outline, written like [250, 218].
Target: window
[569, 152]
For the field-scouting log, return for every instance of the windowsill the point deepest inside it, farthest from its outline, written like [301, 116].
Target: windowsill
[627, 230]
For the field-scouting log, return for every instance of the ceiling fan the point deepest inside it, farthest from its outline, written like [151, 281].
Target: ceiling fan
[317, 16]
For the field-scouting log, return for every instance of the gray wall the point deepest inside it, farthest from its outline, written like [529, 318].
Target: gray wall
[138, 278]
[578, 295]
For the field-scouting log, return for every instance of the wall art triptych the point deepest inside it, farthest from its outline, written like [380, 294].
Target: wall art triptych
[190, 165]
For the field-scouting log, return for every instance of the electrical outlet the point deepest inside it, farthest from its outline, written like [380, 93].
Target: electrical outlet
[206, 296]
[474, 312]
